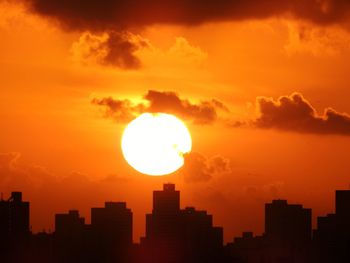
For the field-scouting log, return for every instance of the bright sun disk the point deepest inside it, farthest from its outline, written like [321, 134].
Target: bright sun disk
[154, 143]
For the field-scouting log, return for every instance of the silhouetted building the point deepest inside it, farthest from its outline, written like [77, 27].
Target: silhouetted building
[342, 212]
[174, 235]
[203, 242]
[342, 204]
[69, 237]
[111, 232]
[247, 249]
[288, 231]
[164, 237]
[68, 224]
[286, 222]
[332, 237]
[14, 228]
[14, 216]
[166, 201]
[41, 248]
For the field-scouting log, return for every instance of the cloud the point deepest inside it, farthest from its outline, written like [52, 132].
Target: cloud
[203, 112]
[295, 113]
[126, 50]
[265, 191]
[316, 40]
[127, 14]
[115, 17]
[119, 110]
[109, 49]
[50, 193]
[182, 50]
[180, 55]
[8, 161]
[115, 178]
[199, 168]
[16, 175]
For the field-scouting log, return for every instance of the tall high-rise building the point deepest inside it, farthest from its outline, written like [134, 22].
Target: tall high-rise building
[247, 248]
[14, 228]
[288, 222]
[332, 236]
[288, 232]
[203, 242]
[165, 218]
[68, 224]
[69, 237]
[14, 217]
[111, 232]
[342, 204]
[163, 227]
[166, 201]
[114, 222]
[174, 235]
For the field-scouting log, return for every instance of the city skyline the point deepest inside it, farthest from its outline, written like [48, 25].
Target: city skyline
[174, 234]
[237, 103]
[273, 204]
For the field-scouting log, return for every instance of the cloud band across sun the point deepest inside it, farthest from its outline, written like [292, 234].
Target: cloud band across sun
[123, 110]
[288, 113]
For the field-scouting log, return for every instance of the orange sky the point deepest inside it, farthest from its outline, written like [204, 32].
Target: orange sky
[63, 151]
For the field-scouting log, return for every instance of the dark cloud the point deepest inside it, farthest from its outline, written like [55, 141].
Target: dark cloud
[199, 168]
[121, 14]
[115, 16]
[110, 48]
[203, 112]
[119, 110]
[294, 113]
[121, 51]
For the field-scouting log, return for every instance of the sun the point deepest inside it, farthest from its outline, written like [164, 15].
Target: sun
[155, 143]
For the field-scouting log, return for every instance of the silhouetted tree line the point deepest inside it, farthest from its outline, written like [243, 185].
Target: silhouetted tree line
[175, 235]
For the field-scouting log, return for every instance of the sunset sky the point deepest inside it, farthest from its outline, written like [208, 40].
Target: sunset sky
[263, 86]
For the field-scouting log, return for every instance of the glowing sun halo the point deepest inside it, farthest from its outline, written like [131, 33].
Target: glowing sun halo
[154, 143]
